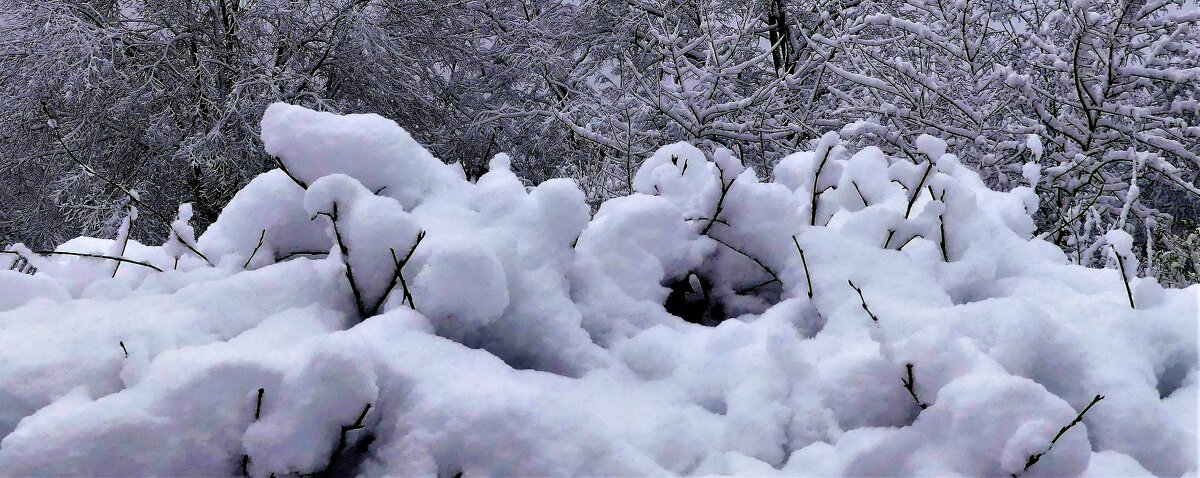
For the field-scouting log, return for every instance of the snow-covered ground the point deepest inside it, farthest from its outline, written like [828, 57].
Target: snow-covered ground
[370, 311]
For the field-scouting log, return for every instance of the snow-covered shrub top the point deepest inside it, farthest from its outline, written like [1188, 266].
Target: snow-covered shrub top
[369, 310]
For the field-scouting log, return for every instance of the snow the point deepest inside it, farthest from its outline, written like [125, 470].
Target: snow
[1034, 143]
[20, 289]
[931, 146]
[182, 233]
[270, 208]
[1122, 248]
[455, 302]
[376, 152]
[499, 329]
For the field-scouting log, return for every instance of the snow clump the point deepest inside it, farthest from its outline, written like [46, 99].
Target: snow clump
[365, 309]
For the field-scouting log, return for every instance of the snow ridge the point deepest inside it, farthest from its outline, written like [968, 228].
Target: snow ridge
[854, 314]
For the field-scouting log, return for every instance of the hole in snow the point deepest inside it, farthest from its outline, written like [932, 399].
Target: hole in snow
[714, 405]
[516, 358]
[1172, 375]
[977, 291]
[691, 300]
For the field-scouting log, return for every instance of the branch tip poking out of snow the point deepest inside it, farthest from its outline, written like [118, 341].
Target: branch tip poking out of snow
[367, 310]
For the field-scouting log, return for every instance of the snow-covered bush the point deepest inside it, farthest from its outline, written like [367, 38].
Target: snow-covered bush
[1101, 94]
[367, 309]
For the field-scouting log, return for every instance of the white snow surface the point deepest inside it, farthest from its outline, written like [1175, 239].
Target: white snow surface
[534, 339]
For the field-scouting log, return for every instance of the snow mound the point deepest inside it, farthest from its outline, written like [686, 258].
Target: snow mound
[366, 310]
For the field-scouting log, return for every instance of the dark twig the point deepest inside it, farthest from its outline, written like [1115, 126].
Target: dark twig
[1033, 459]
[942, 225]
[257, 414]
[860, 194]
[888, 239]
[716, 216]
[864, 301]
[346, 429]
[260, 243]
[123, 349]
[282, 167]
[774, 276]
[910, 385]
[804, 262]
[398, 275]
[85, 254]
[914, 236]
[124, 245]
[683, 170]
[1124, 278]
[702, 218]
[341, 244]
[816, 179]
[916, 192]
[197, 252]
[751, 289]
[912, 200]
[300, 253]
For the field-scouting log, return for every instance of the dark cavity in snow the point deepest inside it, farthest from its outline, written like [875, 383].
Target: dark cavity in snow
[691, 300]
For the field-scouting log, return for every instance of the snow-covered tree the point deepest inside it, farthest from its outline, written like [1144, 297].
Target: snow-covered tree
[1111, 87]
[151, 103]
[162, 98]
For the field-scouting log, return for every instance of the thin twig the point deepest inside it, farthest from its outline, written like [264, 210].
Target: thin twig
[282, 167]
[815, 193]
[123, 349]
[398, 275]
[774, 276]
[914, 236]
[702, 218]
[341, 445]
[124, 245]
[860, 194]
[751, 289]
[85, 254]
[1124, 277]
[888, 239]
[910, 385]
[804, 261]
[341, 244]
[257, 414]
[942, 225]
[916, 192]
[260, 243]
[300, 253]
[864, 301]
[258, 404]
[720, 201]
[911, 201]
[1033, 459]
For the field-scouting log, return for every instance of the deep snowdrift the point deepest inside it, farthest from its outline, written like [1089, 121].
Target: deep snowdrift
[549, 341]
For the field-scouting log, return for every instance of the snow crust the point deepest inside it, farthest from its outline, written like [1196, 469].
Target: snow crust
[526, 336]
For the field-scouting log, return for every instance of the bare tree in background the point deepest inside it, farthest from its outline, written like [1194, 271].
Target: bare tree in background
[116, 103]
